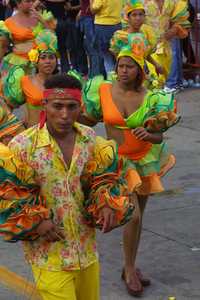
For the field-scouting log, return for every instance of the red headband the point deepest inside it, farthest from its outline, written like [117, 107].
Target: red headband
[61, 93]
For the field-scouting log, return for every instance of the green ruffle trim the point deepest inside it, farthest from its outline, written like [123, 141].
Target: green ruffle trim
[154, 160]
[22, 214]
[91, 97]
[13, 59]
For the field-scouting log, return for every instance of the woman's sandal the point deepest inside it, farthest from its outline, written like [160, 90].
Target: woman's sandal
[130, 286]
[144, 281]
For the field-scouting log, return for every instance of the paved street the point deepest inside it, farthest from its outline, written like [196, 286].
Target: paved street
[170, 248]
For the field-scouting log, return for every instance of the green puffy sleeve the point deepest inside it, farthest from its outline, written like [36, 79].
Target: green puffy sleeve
[162, 112]
[91, 98]
[12, 89]
[118, 41]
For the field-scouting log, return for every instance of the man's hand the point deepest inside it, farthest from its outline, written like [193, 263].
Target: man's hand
[141, 134]
[50, 231]
[107, 218]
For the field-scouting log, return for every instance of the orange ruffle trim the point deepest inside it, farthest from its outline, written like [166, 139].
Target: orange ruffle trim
[152, 184]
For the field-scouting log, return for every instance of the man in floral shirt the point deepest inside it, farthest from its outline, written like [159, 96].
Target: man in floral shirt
[54, 153]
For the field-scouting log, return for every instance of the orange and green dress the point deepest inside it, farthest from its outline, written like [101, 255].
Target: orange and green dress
[151, 161]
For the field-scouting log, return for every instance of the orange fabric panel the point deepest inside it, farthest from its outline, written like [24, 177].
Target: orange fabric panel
[132, 147]
[19, 33]
[32, 93]
[111, 114]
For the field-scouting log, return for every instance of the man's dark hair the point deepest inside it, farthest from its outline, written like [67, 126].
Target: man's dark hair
[62, 81]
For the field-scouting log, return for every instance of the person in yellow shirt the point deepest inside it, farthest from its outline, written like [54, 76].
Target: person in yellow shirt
[107, 21]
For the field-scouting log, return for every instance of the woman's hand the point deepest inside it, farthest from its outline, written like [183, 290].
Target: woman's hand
[142, 134]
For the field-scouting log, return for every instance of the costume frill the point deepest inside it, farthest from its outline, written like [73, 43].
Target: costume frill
[21, 207]
[156, 114]
[9, 124]
[107, 182]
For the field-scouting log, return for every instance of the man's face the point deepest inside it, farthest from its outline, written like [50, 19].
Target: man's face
[61, 114]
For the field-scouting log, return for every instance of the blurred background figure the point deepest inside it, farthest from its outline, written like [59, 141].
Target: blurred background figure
[107, 20]
[86, 23]
[57, 7]
[77, 54]
[186, 43]
[2, 9]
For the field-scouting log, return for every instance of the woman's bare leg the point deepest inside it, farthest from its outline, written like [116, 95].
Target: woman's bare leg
[131, 239]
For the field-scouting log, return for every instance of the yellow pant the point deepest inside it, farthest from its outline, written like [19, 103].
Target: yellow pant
[64, 285]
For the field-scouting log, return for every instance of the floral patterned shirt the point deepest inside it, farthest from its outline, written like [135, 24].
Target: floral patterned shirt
[60, 184]
[159, 20]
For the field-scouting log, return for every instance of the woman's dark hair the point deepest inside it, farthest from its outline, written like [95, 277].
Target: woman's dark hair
[62, 81]
[13, 4]
[139, 78]
[131, 13]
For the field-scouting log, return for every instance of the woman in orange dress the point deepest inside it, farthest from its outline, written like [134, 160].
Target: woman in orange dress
[136, 119]
[28, 89]
[32, 86]
[23, 27]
